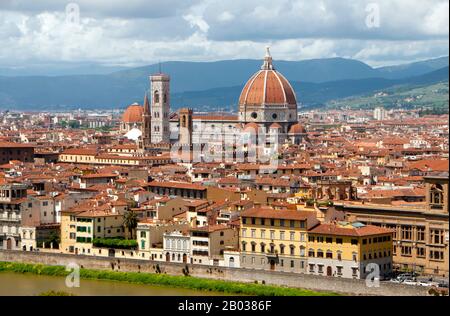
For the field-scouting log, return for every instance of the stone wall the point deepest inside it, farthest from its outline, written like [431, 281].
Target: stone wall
[318, 283]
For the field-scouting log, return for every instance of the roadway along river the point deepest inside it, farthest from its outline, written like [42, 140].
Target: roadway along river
[29, 284]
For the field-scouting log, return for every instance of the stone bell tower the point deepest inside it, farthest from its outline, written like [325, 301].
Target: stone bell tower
[186, 127]
[160, 89]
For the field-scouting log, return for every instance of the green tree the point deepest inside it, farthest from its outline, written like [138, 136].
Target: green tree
[130, 222]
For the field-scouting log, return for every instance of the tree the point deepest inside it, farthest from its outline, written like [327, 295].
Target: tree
[130, 221]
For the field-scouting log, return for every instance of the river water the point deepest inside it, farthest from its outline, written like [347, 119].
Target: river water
[18, 284]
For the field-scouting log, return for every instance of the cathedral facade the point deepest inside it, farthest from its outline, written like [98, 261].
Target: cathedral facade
[267, 105]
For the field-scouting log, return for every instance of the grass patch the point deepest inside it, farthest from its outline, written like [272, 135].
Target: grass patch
[186, 282]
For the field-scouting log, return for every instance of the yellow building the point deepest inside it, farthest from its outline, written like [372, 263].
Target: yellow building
[275, 240]
[80, 225]
[346, 250]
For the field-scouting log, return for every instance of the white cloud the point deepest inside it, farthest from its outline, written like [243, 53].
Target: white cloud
[139, 32]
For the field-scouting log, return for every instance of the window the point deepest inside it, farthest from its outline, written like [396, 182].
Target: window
[355, 256]
[282, 249]
[263, 234]
[263, 247]
[302, 251]
[292, 236]
[244, 246]
[253, 233]
[302, 224]
[319, 239]
[244, 232]
[354, 241]
[406, 232]
[436, 236]
[292, 263]
[282, 222]
[339, 270]
[263, 221]
[292, 252]
[292, 224]
[311, 253]
[406, 251]
[436, 255]
[364, 241]
[244, 220]
[339, 240]
[354, 272]
[272, 222]
[311, 268]
[282, 235]
[253, 221]
[311, 238]
[339, 255]
[421, 252]
[329, 254]
[302, 236]
[142, 244]
[329, 240]
[420, 233]
[272, 234]
[320, 268]
[319, 253]
[253, 247]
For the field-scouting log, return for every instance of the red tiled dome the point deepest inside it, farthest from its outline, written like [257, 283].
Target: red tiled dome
[267, 87]
[297, 129]
[133, 114]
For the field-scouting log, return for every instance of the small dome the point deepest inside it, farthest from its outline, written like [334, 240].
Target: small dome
[251, 128]
[297, 129]
[133, 114]
[134, 134]
[275, 126]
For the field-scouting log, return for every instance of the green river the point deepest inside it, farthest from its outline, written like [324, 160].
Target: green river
[18, 284]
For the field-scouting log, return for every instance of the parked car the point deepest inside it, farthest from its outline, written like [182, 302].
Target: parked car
[410, 281]
[427, 283]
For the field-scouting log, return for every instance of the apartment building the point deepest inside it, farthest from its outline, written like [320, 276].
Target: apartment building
[421, 232]
[275, 240]
[346, 249]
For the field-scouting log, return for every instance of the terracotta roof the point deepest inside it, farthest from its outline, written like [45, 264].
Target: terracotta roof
[280, 214]
[334, 229]
[133, 114]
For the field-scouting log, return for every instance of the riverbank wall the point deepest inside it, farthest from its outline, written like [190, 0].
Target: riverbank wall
[310, 282]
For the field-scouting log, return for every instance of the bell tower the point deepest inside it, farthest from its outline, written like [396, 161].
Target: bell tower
[185, 121]
[146, 125]
[160, 89]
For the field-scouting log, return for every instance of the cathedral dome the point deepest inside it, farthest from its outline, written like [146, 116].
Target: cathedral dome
[133, 114]
[297, 129]
[267, 87]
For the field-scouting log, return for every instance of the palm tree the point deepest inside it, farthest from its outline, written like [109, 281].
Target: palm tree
[130, 221]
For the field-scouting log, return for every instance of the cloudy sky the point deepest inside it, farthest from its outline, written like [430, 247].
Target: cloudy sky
[140, 32]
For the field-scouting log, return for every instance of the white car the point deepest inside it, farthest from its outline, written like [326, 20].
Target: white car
[410, 282]
[427, 283]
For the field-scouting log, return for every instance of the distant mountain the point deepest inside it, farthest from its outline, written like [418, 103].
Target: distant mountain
[59, 70]
[194, 84]
[413, 69]
[309, 94]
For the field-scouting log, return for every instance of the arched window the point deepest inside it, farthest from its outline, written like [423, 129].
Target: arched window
[156, 96]
[311, 252]
[320, 253]
[165, 98]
